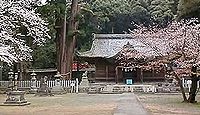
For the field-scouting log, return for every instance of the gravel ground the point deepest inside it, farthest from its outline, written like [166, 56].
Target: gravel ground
[68, 104]
[103, 104]
[168, 104]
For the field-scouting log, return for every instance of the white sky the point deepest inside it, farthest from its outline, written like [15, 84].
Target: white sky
[43, 1]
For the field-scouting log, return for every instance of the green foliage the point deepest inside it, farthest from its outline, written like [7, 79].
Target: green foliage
[161, 11]
[189, 9]
[112, 14]
[101, 16]
[45, 56]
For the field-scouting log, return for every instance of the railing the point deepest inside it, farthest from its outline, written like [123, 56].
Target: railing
[73, 84]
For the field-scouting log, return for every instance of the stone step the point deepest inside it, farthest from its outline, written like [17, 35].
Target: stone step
[93, 90]
[116, 89]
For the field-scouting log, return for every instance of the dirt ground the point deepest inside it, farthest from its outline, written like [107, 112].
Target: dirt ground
[168, 104]
[94, 104]
[68, 104]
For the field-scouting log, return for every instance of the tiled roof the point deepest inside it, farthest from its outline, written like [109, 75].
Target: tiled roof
[108, 45]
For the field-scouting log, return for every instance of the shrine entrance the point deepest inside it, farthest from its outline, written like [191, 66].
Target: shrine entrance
[129, 76]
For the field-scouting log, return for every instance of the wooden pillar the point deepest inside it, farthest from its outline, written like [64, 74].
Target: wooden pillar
[164, 72]
[116, 75]
[106, 73]
[153, 72]
[1, 70]
[141, 75]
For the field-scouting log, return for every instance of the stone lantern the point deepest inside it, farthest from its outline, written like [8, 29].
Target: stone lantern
[15, 97]
[15, 81]
[57, 79]
[57, 89]
[33, 83]
[10, 77]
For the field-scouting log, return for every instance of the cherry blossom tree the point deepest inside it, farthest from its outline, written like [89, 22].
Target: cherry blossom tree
[20, 24]
[179, 46]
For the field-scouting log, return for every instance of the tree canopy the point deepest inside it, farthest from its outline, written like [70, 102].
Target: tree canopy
[179, 46]
[96, 16]
[20, 27]
[188, 9]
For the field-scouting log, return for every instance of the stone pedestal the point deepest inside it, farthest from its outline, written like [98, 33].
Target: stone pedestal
[84, 82]
[44, 89]
[57, 89]
[15, 98]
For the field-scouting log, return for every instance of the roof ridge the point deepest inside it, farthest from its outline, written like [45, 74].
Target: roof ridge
[113, 36]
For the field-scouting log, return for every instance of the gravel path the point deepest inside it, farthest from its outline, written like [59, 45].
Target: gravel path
[129, 105]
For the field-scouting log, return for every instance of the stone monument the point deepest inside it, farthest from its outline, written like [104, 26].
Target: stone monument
[57, 89]
[44, 89]
[14, 96]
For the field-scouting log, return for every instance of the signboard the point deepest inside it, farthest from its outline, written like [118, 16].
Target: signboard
[129, 81]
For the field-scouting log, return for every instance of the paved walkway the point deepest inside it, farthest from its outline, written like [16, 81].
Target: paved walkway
[129, 105]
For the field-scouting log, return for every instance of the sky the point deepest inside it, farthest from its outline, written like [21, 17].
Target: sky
[43, 1]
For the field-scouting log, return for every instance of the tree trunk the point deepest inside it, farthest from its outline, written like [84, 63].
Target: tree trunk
[71, 38]
[66, 41]
[181, 87]
[1, 70]
[21, 71]
[192, 93]
[60, 45]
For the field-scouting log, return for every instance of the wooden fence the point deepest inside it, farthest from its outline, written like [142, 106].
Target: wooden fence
[73, 84]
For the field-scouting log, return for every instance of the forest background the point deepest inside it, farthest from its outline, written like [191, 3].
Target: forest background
[106, 16]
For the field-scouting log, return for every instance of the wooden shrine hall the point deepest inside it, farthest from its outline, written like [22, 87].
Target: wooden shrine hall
[104, 54]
